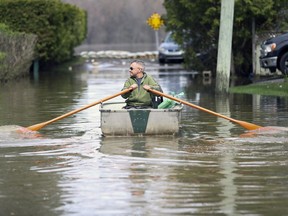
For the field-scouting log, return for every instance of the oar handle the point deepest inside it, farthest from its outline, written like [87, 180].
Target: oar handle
[43, 124]
[246, 125]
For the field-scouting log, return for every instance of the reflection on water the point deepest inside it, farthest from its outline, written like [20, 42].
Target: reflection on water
[213, 167]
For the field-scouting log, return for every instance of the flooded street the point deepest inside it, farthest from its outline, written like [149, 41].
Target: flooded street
[212, 167]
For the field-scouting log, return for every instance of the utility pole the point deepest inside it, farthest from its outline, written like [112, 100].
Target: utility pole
[225, 46]
[253, 48]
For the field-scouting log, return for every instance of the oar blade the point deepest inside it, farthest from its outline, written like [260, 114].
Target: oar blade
[248, 126]
[36, 127]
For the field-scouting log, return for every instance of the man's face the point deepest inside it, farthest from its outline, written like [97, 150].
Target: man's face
[134, 69]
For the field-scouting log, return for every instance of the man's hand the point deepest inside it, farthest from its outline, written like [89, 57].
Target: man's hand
[146, 87]
[134, 86]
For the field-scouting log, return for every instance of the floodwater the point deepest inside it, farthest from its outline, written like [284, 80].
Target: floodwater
[213, 167]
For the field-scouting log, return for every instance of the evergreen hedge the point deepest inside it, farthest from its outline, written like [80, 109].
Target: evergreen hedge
[59, 26]
[16, 54]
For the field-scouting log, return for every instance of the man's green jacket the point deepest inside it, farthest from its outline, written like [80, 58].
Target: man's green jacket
[139, 96]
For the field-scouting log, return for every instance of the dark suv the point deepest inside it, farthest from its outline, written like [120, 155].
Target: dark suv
[274, 54]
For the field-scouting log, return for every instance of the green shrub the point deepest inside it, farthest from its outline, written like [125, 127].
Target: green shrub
[16, 53]
[59, 26]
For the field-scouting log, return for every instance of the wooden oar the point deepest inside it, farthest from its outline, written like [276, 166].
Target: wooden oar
[244, 124]
[43, 124]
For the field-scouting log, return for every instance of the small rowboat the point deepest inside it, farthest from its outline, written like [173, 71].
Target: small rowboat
[116, 121]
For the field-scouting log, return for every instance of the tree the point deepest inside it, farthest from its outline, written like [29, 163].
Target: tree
[196, 25]
[59, 27]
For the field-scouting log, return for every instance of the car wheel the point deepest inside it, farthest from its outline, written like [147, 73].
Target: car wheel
[284, 64]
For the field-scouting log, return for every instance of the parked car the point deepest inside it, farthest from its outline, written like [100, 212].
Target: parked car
[169, 50]
[274, 54]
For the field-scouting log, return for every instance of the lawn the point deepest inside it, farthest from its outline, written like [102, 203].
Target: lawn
[264, 88]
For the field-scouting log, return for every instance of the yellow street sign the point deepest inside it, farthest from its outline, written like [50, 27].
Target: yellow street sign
[155, 21]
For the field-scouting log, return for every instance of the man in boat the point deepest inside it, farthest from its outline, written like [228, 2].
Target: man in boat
[140, 82]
